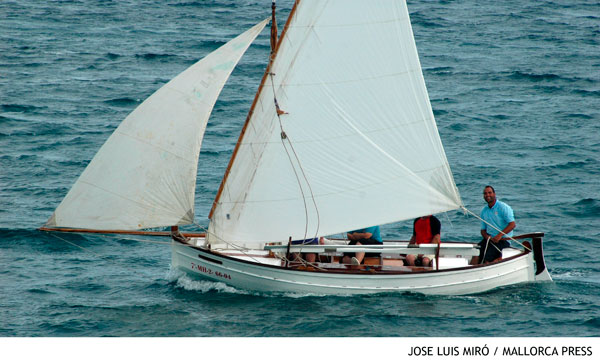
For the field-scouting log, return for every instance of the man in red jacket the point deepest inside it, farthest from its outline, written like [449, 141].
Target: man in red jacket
[426, 229]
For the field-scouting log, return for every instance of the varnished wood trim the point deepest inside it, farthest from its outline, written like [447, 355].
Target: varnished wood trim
[529, 235]
[209, 259]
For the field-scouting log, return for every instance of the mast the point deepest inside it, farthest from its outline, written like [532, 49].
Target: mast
[273, 28]
[256, 96]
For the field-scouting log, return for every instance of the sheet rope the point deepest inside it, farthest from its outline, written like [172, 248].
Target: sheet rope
[76, 245]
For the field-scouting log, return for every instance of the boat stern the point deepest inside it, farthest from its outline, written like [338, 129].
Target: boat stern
[541, 272]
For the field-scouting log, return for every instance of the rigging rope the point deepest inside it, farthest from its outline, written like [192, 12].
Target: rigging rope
[105, 235]
[244, 249]
[76, 245]
[284, 137]
[234, 246]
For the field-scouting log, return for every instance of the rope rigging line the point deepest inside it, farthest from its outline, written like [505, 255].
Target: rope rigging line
[244, 249]
[105, 235]
[284, 137]
[234, 246]
[78, 246]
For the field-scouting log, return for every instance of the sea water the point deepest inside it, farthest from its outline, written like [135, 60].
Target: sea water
[515, 88]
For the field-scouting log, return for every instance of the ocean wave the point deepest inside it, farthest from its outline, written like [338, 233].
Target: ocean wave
[558, 147]
[579, 164]
[459, 126]
[500, 116]
[112, 56]
[491, 140]
[585, 92]
[34, 64]
[427, 21]
[84, 67]
[201, 3]
[302, 295]
[570, 116]
[592, 322]
[438, 73]
[155, 56]
[39, 291]
[126, 101]
[534, 77]
[575, 277]
[551, 89]
[212, 44]
[585, 208]
[211, 152]
[19, 108]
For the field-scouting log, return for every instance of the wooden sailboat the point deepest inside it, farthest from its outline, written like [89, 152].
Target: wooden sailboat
[340, 136]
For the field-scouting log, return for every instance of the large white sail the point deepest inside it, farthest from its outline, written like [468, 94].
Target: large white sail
[365, 149]
[145, 174]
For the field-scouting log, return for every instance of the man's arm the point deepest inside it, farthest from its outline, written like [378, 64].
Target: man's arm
[484, 234]
[506, 230]
[412, 239]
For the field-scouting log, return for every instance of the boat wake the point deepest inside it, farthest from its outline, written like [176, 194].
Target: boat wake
[182, 280]
[576, 276]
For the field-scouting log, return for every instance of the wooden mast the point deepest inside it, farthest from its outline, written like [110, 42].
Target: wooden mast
[273, 28]
[258, 92]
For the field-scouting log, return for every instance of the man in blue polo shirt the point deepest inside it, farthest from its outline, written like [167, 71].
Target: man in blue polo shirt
[496, 216]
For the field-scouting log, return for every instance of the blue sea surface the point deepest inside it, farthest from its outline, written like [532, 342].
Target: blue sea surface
[515, 88]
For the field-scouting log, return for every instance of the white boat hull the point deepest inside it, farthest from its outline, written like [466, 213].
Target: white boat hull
[252, 276]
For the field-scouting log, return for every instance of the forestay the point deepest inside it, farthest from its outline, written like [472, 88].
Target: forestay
[358, 116]
[145, 174]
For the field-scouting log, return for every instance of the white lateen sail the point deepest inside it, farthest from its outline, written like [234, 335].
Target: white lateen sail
[145, 174]
[361, 146]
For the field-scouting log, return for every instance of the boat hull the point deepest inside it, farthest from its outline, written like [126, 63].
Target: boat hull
[206, 264]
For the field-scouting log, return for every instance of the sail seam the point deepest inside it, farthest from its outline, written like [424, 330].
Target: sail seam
[390, 75]
[346, 118]
[345, 190]
[129, 199]
[390, 21]
[117, 131]
[320, 140]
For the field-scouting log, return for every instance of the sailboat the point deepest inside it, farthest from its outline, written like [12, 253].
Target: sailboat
[340, 135]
